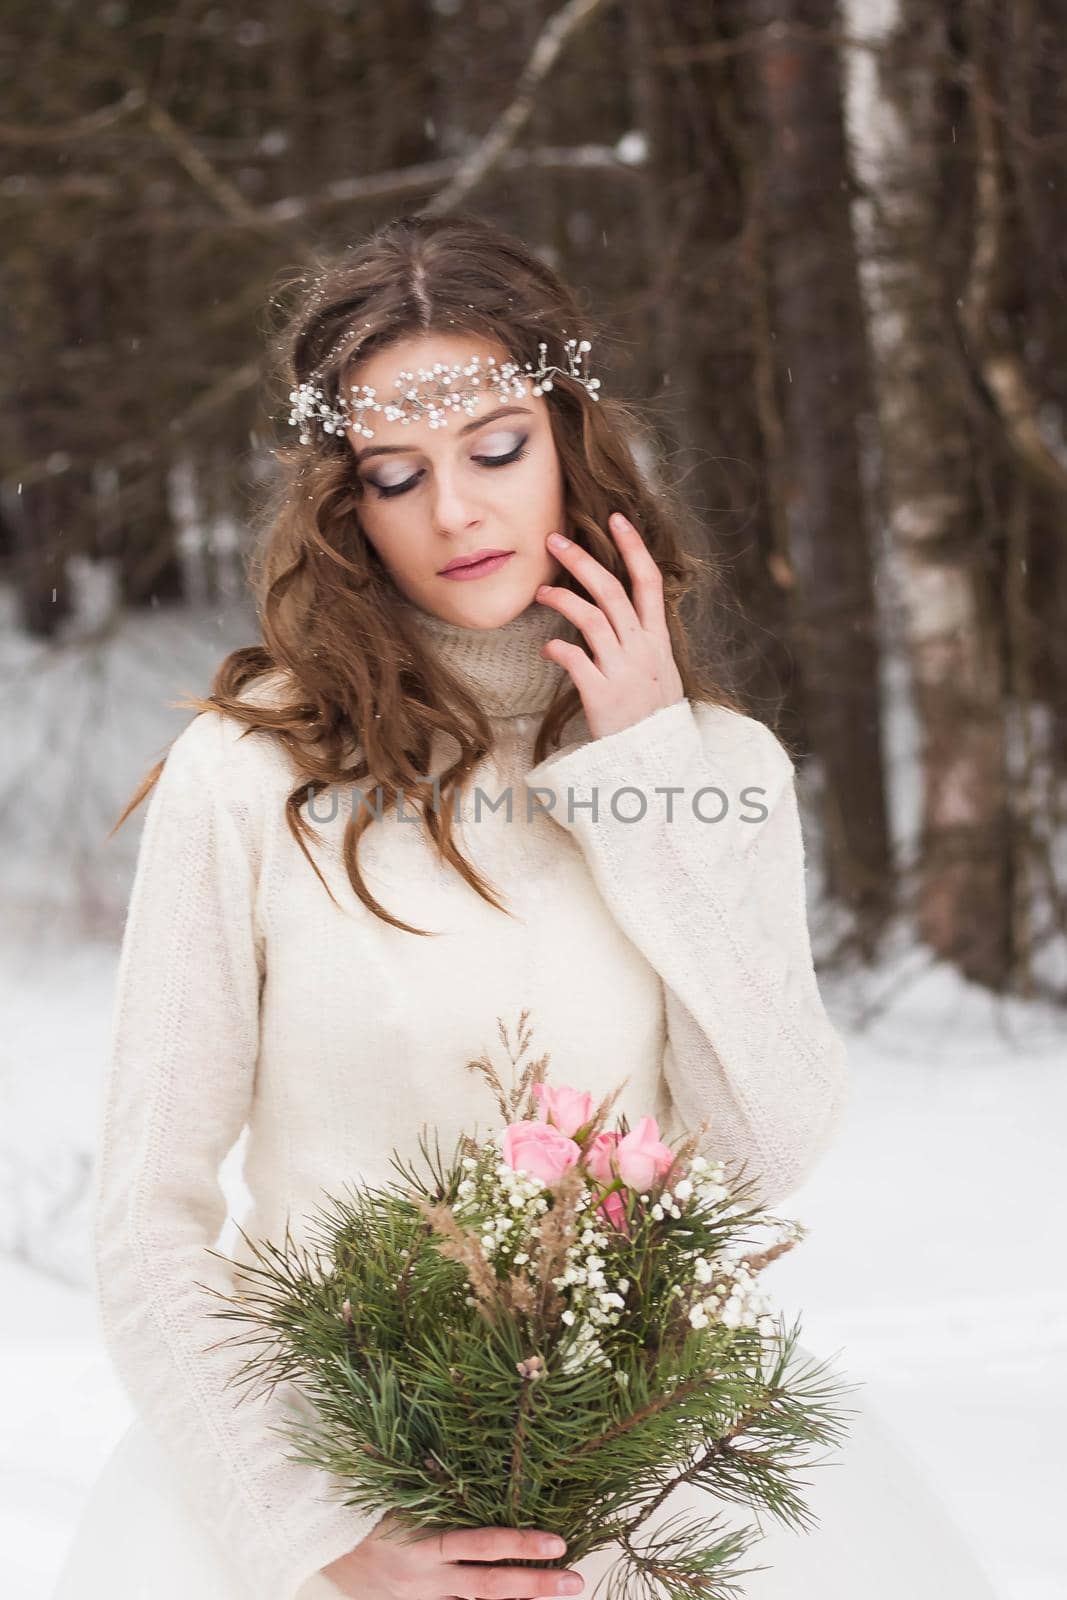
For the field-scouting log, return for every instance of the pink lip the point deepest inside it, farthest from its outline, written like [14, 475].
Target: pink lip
[478, 568]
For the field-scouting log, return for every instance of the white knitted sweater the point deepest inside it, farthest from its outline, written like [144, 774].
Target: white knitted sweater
[672, 953]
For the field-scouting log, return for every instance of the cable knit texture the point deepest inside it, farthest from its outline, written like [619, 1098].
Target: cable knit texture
[649, 942]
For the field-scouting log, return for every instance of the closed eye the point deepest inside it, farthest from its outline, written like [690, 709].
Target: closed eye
[386, 491]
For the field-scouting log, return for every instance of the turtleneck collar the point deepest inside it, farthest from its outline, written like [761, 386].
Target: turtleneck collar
[504, 666]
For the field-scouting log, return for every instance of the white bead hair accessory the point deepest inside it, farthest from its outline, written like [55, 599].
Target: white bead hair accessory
[436, 393]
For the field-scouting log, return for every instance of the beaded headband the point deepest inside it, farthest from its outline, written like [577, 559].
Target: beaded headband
[436, 394]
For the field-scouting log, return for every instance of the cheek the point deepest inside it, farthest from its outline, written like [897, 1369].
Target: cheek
[381, 546]
[542, 482]
[382, 521]
[551, 569]
[368, 532]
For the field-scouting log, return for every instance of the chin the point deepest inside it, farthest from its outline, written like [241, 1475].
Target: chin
[490, 610]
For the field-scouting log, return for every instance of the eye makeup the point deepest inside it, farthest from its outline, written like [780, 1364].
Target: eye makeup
[386, 491]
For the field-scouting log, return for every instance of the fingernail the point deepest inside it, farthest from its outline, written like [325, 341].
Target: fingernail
[557, 541]
[553, 1545]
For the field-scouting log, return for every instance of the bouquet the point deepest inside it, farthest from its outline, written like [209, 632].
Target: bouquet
[553, 1329]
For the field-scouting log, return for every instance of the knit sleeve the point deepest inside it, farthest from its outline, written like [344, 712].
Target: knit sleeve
[709, 884]
[180, 1079]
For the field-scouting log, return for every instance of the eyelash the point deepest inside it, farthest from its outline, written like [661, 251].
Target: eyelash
[386, 492]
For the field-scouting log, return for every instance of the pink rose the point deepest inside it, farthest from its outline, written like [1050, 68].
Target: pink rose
[598, 1164]
[539, 1149]
[613, 1210]
[568, 1109]
[598, 1157]
[641, 1155]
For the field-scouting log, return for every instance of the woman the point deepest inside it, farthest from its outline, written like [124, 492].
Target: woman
[323, 970]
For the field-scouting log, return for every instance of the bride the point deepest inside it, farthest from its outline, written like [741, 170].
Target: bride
[630, 872]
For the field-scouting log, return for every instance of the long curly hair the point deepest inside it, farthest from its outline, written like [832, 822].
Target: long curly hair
[356, 675]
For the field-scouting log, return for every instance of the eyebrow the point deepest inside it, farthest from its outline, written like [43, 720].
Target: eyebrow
[479, 422]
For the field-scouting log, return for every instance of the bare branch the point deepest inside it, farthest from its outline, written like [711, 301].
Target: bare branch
[557, 32]
[391, 185]
[80, 128]
[200, 169]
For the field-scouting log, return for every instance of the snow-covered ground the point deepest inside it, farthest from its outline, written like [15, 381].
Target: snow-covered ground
[933, 1272]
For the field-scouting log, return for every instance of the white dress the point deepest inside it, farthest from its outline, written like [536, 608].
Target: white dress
[671, 955]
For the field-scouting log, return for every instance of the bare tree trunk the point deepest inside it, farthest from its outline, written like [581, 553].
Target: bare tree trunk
[820, 369]
[144, 542]
[646, 86]
[705, 289]
[42, 531]
[946, 571]
[1033, 155]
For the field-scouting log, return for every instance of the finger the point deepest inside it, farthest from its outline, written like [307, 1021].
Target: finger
[607, 590]
[599, 633]
[497, 1544]
[587, 676]
[646, 579]
[512, 1583]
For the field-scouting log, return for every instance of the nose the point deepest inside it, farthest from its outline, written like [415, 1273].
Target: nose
[453, 508]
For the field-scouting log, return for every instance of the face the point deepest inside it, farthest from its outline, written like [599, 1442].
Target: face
[491, 480]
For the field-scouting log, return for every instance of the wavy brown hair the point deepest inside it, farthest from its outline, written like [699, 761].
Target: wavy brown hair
[357, 675]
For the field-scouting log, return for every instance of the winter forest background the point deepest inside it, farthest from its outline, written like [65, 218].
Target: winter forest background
[831, 242]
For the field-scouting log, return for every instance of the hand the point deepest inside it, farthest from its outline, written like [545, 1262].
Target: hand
[455, 1565]
[634, 672]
